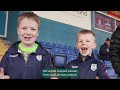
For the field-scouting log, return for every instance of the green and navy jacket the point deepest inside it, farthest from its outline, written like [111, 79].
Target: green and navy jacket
[16, 67]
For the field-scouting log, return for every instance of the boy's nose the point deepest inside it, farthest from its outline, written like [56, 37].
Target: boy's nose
[83, 43]
[28, 31]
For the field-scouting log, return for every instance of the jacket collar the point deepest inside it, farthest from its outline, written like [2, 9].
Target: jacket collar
[14, 49]
[79, 59]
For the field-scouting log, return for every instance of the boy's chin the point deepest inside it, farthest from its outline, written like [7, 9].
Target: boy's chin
[84, 55]
[28, 44]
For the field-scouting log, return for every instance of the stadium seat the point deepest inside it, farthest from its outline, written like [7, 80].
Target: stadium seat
[65, 47]
[58, 51]
[71, 47]
[108, 64]
[95, 53]
[57, 45]
[59, 61]
[76, 51]
[46, 44]
[111, 73]
[70, 52]
[70, 58]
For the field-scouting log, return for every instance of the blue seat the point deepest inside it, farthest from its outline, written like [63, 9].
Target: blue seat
[95, 53]
[111, 73]
[57, 45]
[58, 51]
[70, 52]
[71, 47]
[76, 51]
[108, 64]
[65, 47]
[46, 44]
[59, 61]
[70, 58]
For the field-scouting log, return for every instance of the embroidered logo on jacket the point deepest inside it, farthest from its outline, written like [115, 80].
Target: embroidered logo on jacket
[13, 55]
[93, 67]
[39, 57]
[74, 66]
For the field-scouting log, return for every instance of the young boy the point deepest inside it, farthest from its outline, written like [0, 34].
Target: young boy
[25, 59]
[88, 66]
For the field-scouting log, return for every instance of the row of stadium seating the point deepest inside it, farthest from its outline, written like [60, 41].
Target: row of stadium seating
[61, 54]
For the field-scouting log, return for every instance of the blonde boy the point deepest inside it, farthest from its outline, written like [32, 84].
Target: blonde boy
[88, 66]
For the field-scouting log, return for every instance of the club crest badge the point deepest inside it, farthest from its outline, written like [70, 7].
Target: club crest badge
[93, 67]
[39, 57]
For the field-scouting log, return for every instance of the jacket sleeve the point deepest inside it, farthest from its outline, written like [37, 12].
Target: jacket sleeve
[115, 50]
[68, 65]
[4, 62]
[102, 71]
[47, 61]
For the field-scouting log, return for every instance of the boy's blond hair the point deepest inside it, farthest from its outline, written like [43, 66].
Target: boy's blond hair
[86, 32]
[29, 15]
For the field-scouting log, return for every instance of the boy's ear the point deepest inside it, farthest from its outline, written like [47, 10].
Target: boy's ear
[94, 46]
[38, 34]
[17, 31]
[76, 46]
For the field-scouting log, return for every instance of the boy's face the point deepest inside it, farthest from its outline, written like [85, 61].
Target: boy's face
[28, 31]
[85, 44]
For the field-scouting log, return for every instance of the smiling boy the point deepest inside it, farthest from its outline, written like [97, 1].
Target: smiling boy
[25, 59]
[88, 66]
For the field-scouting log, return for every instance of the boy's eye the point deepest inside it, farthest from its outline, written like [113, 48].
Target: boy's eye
[80, 41]
[87, 41]
[33, 29]
[24, 28]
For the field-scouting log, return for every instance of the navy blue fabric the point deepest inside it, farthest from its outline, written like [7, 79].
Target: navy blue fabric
[84, 68]
[14, 64]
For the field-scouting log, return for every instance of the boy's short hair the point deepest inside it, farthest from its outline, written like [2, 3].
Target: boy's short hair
[29, 15]
[86, 32]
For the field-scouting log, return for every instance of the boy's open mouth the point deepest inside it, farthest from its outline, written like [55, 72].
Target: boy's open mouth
[27, 38]
[84, 49]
